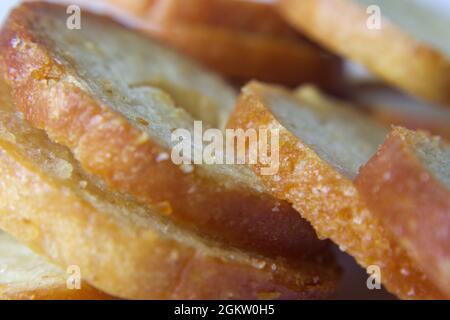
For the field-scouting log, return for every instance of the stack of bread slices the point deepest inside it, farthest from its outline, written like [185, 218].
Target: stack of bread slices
[93, 204]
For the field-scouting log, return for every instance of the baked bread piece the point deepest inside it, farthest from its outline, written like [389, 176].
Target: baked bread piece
[243, 40]
[26, 276]
[411, 50]
[121, 246]
[322, 146]
[115, 110]
[256, 17]
[407, 185]
[392, 107]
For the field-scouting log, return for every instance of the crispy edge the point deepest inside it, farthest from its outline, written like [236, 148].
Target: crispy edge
[253, 16]
[411, 203]
[42, 90]
[243, 56]
[341, 26]
[55, 293]
[131, 261]
[331, 202]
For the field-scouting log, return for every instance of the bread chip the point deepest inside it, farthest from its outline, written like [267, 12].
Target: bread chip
[254, 43]
[395, 108]
[257, 17]
[116, 109]
[123, 247]
[26, 276]
[322, 146]
[406, 31]
[407, 185]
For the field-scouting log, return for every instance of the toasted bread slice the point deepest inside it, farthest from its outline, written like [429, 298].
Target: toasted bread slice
[124, 247]
[26, 276]
[257, 17]
[406, 29]
[322, 146]
[407, 185]
[392, 107]
[113, 108]
[253, 44]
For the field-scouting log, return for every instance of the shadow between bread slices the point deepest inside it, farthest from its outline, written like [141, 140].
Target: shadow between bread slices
[407, 185]
[322, 145]
[406, 31]
[106, 104]
[122, 246]
[26, 276]
[392, 107]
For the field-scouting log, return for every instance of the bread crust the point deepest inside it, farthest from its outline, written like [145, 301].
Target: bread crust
[331, 202]
[123, 247]
[340, 25]
[43, 90]
[55, 293]
[255, 17]
[411, 203]
[26, 276]
[256, 43]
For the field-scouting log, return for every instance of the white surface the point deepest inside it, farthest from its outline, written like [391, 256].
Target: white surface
[5, 6]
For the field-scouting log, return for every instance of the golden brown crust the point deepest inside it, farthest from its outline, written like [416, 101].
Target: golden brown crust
[340, 25]
[50, 101]
[139, 264]
[241, 15]
[118, 250]
[391, 107]
[331, 202]
[256, 43]
[57, 293]
[397, 118]
[411, 203]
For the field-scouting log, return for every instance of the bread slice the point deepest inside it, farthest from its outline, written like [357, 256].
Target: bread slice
[256, 17]
[407, 30]
[124, 247]
[392, 107]
[322, 146]
[254, 44]
[116, 109]
[26, 276]
[407, 186]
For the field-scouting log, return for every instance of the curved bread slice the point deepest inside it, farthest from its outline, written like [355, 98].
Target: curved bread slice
[407, 185]
[26, 276]
[256, 43]
[115, 110]
[395, 108]
[123, 247]
[407, 29]
[322, 146]
[257, 17]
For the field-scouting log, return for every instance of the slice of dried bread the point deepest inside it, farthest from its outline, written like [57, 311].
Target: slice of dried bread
[124, 247]
[26, 276]
[322, 146]
[402, 41]
[242, 40]
[407, 185]
[257, 17]
[116, 109]
[395, 108]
